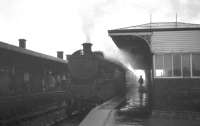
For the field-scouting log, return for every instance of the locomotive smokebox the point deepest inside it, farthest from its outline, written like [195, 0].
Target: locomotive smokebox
[22, 43]
[87, 48]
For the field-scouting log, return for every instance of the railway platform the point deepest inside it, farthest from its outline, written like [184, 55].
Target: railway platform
[117, 110]
[134, 111]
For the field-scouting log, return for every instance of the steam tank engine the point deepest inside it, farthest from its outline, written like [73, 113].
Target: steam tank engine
[94, 79]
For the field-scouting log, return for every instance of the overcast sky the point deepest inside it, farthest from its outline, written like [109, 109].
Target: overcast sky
[52, 25]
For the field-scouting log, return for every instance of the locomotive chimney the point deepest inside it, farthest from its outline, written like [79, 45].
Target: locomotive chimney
[22, 43]
[60, 54]
[87, 48]
[68, 57]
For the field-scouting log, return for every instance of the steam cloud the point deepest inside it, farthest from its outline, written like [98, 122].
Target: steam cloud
[94, 10]
[90, 14]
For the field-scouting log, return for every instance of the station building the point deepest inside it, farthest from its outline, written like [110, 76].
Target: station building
[169, 53]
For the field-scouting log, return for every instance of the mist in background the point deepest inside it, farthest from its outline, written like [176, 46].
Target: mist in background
[52, 25]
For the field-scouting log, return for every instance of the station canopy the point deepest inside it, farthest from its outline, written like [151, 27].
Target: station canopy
[136, 40]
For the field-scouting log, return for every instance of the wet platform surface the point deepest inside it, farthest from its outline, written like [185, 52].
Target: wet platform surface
[134, 110]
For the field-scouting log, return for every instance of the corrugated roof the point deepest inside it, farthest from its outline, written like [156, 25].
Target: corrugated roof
[156, 26]
[29, 52]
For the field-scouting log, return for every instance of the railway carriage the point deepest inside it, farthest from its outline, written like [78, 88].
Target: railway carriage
[31, 84]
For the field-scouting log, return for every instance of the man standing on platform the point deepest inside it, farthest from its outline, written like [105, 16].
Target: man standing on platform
[141, 81]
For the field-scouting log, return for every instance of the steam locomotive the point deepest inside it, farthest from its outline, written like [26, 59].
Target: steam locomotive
[94, 79]
[36, 89]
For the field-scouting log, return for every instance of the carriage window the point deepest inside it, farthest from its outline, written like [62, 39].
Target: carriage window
[177, 65]
[186, 65]
[195, 65]
[167, 65]
[159, 65]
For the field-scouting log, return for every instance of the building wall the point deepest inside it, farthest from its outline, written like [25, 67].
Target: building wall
[176, 94]
[176, 51]
[175, 41]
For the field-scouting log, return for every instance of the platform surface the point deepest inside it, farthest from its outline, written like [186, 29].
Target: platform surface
[101, 114]
[133, 113]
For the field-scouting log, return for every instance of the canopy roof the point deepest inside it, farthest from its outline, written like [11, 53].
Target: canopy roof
[158, 26]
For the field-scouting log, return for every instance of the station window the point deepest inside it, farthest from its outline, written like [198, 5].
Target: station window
[196, 65]
[177, 65]
[186, 65]
[159, 65]
[168, 65]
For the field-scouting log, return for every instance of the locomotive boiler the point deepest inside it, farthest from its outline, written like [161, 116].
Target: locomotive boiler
[94, 79]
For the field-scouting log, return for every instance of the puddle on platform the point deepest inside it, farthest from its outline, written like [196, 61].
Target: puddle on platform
[134, 109]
